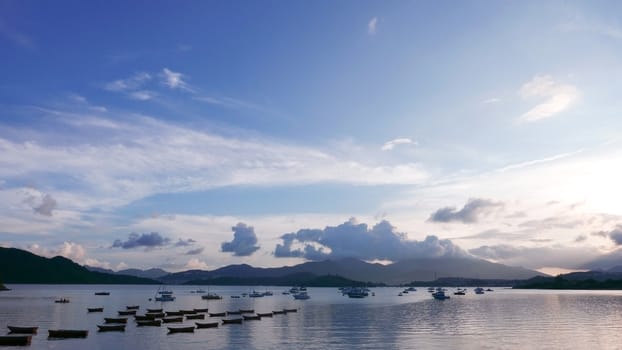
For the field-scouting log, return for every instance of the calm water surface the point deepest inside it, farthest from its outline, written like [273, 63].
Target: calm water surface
[503, 319]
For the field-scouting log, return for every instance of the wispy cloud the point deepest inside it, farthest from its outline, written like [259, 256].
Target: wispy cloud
[229, 102]
[557, 97]
[134, 82]
[539, 161]
[142, 95]
[174, 80]
[18, 38]
[472, 211]
[372, 26]
[389, 145]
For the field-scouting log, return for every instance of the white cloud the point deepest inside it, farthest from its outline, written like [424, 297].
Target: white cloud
[557, 97]
[389, 145]
[196, 264]
[132, 83]
[372, 26]
[142, 95]
[174, 80]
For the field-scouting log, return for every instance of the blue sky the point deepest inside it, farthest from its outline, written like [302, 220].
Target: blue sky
[164, 125]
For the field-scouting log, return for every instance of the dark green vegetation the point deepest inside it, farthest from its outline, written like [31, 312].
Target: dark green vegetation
[466, 282]
[575, 280]
[19, 266]
[298, 279]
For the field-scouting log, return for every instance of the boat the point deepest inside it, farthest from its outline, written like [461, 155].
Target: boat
[301, 296]
[198, 291]
[400, 294]
[234, 313]
[358, 293]
[460, 292]
[15, 340]
[265, 314]
[132, 307]
[111, 327]
[23, 330]
[247, 311]
[235, 297]
[232, 320]
[164, 295]
[195, 317]
[251, 317]
[172, 319]
[102, 293]
[290, 310]
[411, 289]
[479, 290]
[294, 290]
[115, 319]
[278, 312]
[217, 314]
[440, 295]
[489, 290]
[127, 313]
[67, 333]
[211, 296]
[206, 325]
[154, 310]
[189, 329]
[155, 314]
[174, 313]
[187, 312]
[95, 309]
[62, 301]
[255, 294]
[285, 292]
[152, 323]
[268, 293]
[144, 317]
[201, 310]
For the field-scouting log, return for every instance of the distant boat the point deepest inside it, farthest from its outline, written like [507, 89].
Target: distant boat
[111, 328]
[460, 292]
[154, 310]
[290, 310]
[127, 312]
[247, 311]
[301, 296]
[358, 293]
[132, 307]
[115, 319]
[23, 330]
[189, 329]
[411, 289]
[479, 290]
[201, 310]
[67, 333]
[251, 317]
[95, 309]
[195, 317]
[265, 314]
[232, 320]
[400, 294]
[102, 293]
[278, 312]
[211, 296]
[206, 325]
[152, 323]
[62, 301]
[255, 294]
[217, 314]
[15, 340]
[440, 295]
[235, 296]
[164, 295]
[489, 290]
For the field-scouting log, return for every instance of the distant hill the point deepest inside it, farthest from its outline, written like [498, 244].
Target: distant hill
[20, 266]
[297, 279]
[398, 273]
[576, 280]
[150, 273]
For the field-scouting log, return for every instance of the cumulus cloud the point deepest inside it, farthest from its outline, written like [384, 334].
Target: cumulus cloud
[147, 240]
[557, 97]
[372, 26]
[470, 213]
[615, 235]
[196, 251]
[350, 239]
[244, 241]
[389, 145]
[196, 264]
[174, 80]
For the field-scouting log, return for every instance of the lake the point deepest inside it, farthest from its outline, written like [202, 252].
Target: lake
[503, 319]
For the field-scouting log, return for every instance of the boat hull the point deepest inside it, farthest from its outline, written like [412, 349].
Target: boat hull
[15, 340]
[67, 333]
[23, 330]
[181, 329]
[206, 325]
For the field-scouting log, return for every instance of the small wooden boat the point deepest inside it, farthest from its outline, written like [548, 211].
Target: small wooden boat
[264, 314]
[115, 319]
[62, 301]
[195, 317]
[251, 317]
[234, 313]
[206, 325]
[217, 314]
[290, 310]
[187, 312]
[67, 333]
[127, 312]
[132, 307]
[155, 314]
[23, 330]
[278, 312]
[189, 329]
[144, 317]
[152, 323]
[15, 340]
[95, 309]
[172, 319]
[111, 327]
[154, 310]
[174, 313]
[201, 310]
[232, 320]
[102, 293]
[247, 311]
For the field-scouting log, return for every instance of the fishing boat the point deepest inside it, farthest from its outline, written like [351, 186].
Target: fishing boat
[15, 340]
[146, 323]
[154, 310]
[195, 317]
[201, 310]
[127, 312]
[290, 310]
[132, 307]
[217, 314]
[440, 295]
[247, 311]
[189, 329]
[111, 327]
[265, 314]
[95, 309]
[206, 325]
[23, 330]
[67, 333]
[102, 293]
[172, 319]
[251, 317]
[232, 320]
[115, 319]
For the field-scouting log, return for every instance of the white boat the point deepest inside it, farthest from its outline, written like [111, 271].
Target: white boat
[301, 296]
[479, 290]
[440, 295]
[164, 295]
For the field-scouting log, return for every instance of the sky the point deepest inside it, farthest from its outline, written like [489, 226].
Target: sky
[198, 134]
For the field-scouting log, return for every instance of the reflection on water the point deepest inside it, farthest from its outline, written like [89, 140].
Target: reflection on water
[504, 319]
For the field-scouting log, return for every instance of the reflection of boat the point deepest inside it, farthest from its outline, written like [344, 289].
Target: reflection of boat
[111, 327]
[23, 330]
[440, 295]
[232, 320]
[67, 333]
[115, 319]
[301, 296]
[95, 309]
[152, 323]
[206, 325]
[15, 340]
[181, 329]
[102, 293]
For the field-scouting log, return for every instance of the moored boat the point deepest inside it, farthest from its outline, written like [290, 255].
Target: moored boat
[195, 317]
[154, 310]
[172, 319]
[264, 314]
[174, 313]
[15, 340]
[111, 327]
[115, 319]
[102, 293]
[95, 309]
[290, 310]
[152, 323]
[206, 324]
[187, 312]
[251, 317]
[155, 314]
[68, 333]
[278, 312]
[201, 310]
[234, 313]
[62, 301]
[211, 296]
[127, 312]
[217, 314]
[479, 290]
[144, 317]
[247, 311]
[302, 296]
[23, 330]
[440, 295]
[189, 329]
[132, 307]
[232, 320]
